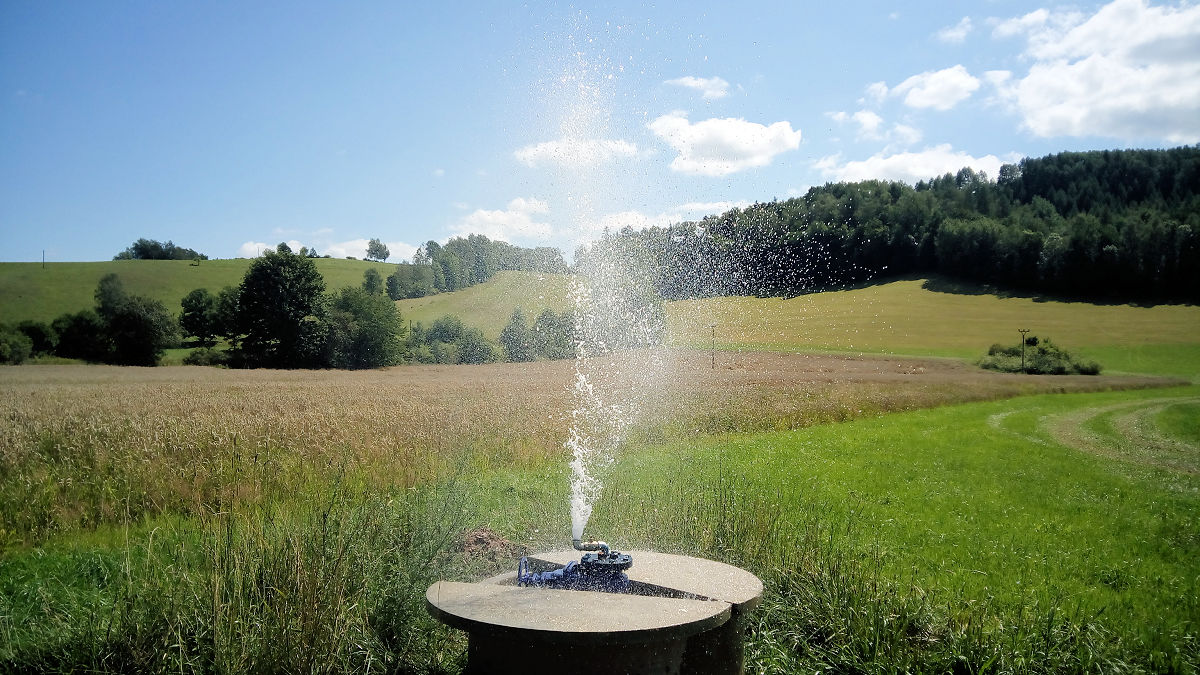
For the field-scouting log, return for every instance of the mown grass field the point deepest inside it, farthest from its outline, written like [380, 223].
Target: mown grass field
[489, 306]
[911, 317]
[29, 291]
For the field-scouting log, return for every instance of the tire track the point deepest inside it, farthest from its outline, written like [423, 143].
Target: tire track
[1136, 437]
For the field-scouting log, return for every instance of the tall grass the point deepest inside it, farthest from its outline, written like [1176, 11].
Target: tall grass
[211, 521]
[326, 583]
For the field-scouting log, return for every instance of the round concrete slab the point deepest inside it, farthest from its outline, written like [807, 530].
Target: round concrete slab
[570, 617]
[682, 615]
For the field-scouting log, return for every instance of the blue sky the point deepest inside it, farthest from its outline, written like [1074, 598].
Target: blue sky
[227, 127]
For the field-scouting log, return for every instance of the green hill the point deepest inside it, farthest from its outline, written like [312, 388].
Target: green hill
[490, 305]
[909, 317]
[29, 291]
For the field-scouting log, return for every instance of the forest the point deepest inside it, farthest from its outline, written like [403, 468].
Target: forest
[1119, 225]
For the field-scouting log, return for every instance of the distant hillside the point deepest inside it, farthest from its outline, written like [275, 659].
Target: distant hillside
[490, 305]
[1106, 225]
[27, 291]
[914, 316]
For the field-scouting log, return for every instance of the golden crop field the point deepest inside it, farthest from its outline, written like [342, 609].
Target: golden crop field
[89, 445]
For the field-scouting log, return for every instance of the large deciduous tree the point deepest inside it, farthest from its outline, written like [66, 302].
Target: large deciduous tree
[199, 318]
[136, 329]
[377, 250]
[516, 338]
[279, 309]
[372, 282]
[364, 330]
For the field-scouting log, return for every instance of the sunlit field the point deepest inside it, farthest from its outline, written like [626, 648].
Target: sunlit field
[193, 518]
[935, 317]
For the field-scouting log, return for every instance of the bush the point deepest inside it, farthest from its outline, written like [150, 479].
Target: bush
[1042, 357]
[15, 346]
[42, 336]
[205, 356]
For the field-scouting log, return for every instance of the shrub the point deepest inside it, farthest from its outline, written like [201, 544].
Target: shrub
[1042, 357]
[41, 335]
[205, 356]
[15, 346]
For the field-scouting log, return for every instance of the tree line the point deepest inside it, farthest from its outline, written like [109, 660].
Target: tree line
[280, 316]
[465, 261]
[1097, 225]
[152, 249]
[122, 329]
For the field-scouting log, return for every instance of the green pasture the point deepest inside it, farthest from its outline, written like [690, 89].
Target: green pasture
[912, 317]
[29, 291]
[489, 306]
[977, 510]
[966, 538]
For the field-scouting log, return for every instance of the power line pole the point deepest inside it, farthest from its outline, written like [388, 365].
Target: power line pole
[713, 326]
[1023, 331]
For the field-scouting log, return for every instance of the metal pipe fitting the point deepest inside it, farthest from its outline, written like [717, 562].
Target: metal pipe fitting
[581, 545]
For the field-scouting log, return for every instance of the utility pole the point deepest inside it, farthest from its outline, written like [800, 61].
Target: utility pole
[713, 326]
[1023, 331]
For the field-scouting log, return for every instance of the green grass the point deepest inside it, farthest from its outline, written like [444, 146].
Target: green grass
[975, 511]
[27, 291]
[1181, 421]
[489, 306]
[907, 317]
[966, 538]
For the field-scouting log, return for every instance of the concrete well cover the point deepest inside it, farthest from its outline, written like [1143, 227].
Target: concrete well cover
[574, 617]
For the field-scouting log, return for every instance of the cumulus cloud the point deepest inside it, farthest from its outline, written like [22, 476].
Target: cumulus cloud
[677, 214]
[870, 127]
[957, 33]
[517, 221]
[709, 87]
[357, 248]
[574, 152]
[909, 167]
[868, 123]
[253, 249]
[939, 89]
[718, 147]
[1129, 71]
[876, 92]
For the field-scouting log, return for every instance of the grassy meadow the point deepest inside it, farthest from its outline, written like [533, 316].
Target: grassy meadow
[934, 318]
[489, 306]
[908, 511]
[29, 291]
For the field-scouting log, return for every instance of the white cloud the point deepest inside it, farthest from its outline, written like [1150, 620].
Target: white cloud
[253, 249]
[1129, 71]
[904, 135]
[516, 221]
[876, 92]
[957, 33]
[868, 123]
[709, 87]
[639, 221]
[341, 249]
[909, 167]
[940, 89]
[871, 128]
[439, 172]
[397, 250]
[718, 147]
[573, 152]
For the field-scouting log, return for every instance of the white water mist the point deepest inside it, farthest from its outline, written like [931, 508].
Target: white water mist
[618, 318]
